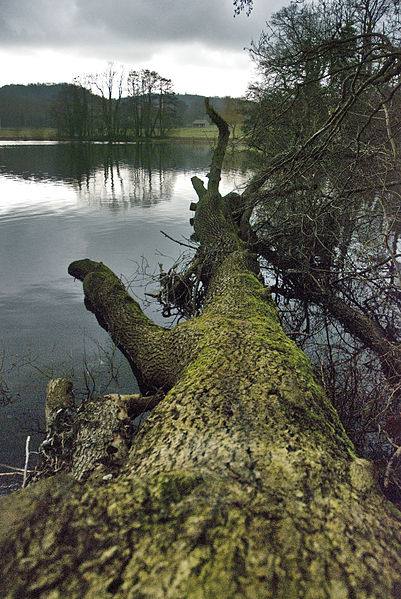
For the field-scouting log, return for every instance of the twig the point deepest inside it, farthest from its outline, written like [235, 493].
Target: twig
[20, 470]
[192, 247]
[26, 460]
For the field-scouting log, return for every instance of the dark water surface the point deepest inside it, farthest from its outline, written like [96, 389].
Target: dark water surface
[60, 202]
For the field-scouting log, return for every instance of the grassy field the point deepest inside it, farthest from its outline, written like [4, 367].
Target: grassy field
[27, 133]
[32, 133]
[198, 133]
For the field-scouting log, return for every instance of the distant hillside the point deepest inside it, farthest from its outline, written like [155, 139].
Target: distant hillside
[193, 107]
[32, 105]
[28, 105]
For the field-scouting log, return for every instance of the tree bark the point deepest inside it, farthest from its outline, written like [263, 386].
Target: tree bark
[240, 484]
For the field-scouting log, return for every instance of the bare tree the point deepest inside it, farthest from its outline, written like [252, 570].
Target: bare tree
[152, 102]
[110, 86]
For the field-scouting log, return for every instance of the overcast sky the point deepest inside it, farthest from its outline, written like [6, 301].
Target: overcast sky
[196, 43]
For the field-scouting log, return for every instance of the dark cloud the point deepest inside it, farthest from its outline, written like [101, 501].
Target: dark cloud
[140, 23]
[198, 43]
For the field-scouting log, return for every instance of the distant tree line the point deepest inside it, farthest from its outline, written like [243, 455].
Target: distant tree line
[110, 106]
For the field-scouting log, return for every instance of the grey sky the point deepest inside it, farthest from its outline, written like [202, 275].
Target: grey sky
[197, 43]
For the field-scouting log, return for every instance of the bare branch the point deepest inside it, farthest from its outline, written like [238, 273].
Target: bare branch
[219, 152]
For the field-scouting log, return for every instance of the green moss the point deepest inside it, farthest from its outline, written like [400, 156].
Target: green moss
[173, 487]
[395, 512]
[239, 485]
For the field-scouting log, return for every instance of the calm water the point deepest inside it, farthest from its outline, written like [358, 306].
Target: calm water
[61, 202]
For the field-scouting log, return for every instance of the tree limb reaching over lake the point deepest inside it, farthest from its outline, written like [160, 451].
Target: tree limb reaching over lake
[242, 481]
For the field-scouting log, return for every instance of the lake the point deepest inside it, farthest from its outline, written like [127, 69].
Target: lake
[60, 202]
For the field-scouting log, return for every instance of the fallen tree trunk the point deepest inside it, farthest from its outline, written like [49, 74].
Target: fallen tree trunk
[241, 483]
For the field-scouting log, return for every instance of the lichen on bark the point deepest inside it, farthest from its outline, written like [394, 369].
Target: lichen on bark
[241, 483]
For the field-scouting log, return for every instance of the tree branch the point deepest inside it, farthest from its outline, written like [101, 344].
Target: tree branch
[198, 186]
[142, 342]
[361, 326]
[219, 153]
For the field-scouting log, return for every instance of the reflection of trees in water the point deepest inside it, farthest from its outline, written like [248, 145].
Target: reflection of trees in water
[75, 163]
[120, 184]
[121, 174]
[117, 174]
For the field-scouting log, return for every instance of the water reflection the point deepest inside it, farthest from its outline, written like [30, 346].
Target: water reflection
[117, 176]
[61, 202]
[119, 186]
[76, 162]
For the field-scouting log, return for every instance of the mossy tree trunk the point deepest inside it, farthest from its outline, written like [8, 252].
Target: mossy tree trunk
[240, 484]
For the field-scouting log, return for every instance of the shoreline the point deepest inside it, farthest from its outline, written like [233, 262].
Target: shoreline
[98, 141]
[36, 134]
